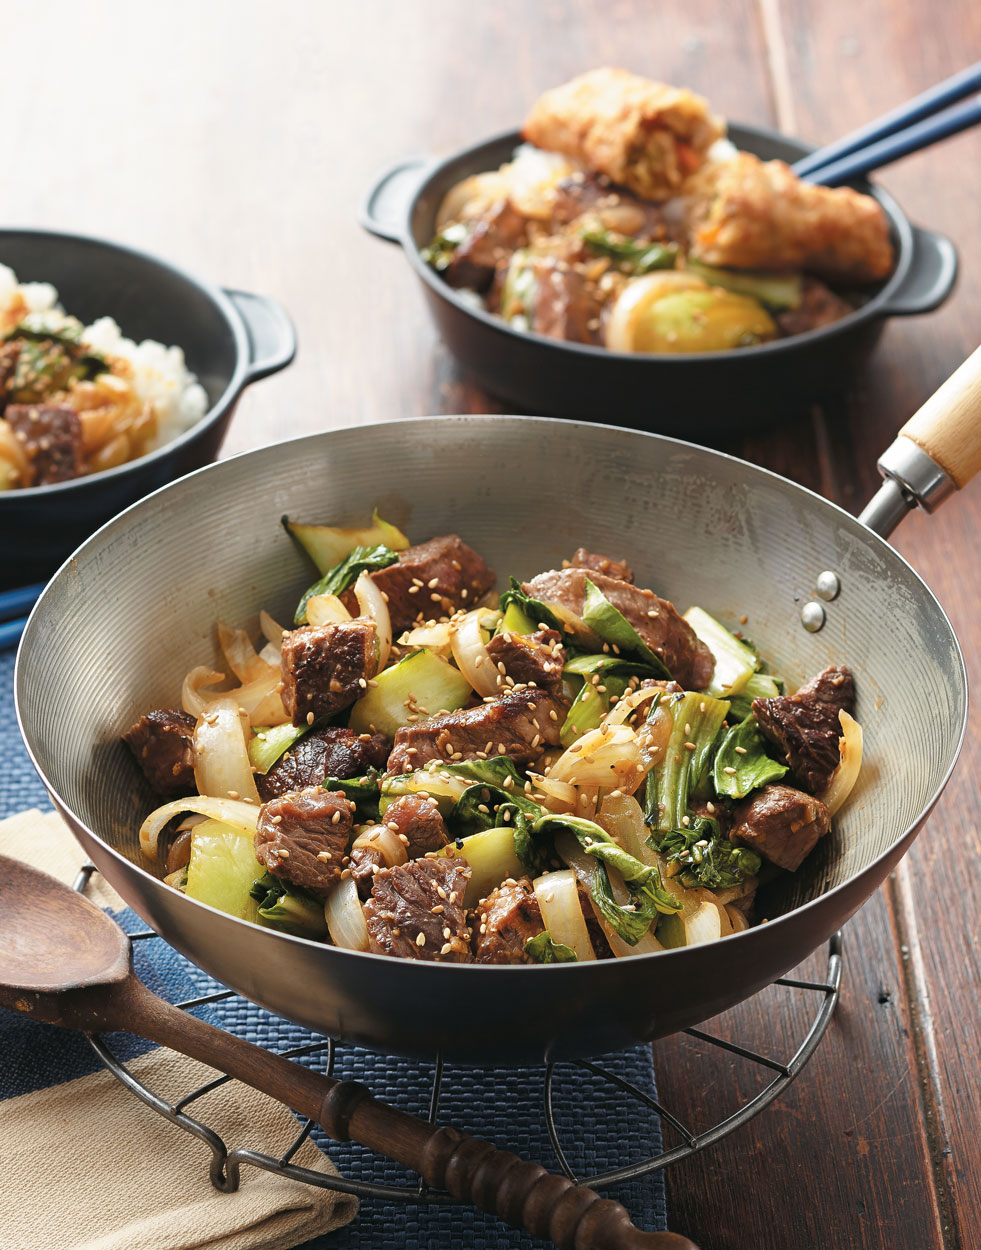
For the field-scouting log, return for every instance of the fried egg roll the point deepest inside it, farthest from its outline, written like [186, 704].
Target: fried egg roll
[642, 134]
[751, 214]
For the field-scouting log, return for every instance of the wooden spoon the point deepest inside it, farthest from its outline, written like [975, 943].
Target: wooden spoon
[66, 962]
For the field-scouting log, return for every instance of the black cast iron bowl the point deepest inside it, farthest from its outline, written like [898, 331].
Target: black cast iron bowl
[229, 339]
[705, 396]
[134, 609]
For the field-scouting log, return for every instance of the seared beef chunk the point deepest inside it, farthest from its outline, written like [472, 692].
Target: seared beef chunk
[668, 635]
[417, 823]
[529, 659]
[458, 575]
[806, 728]
[489, 243]
[584, 559]
[416, 910]
[9, 354]
[331, 752]
[781, 824]
[161, 742]
[366, 861]
[326, 667]
[819, 306]
[302, 837]
[521, 723]
[654, 683]
[52, 438]
[503, 923]
[565, 306]
[608, 206]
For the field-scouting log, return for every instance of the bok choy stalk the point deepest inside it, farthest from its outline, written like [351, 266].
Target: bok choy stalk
[344, 575]
[285, 906]
[632, 257]
[535, 614]
[697, 721]
[268, 743]
[497, 797]
[705, 858]
[595, 698]
[735, 660]
[759, 686]
[543, 950]
[643, 881]
[742, 763]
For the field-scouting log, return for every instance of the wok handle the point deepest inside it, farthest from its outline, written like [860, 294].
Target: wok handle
[522, 1193]
[936, 452]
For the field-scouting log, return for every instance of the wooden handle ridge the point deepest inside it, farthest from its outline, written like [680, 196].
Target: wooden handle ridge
[948, 426]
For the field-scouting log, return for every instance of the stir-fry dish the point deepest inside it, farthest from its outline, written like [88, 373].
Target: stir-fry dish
[77, 399]
[628, 221]
[570, 770]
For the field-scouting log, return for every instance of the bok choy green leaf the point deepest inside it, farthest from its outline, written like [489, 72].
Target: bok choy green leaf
[543, 950]
[609, 623]
[285, 906]
[706, 859]
[742, 762]
[344, 575]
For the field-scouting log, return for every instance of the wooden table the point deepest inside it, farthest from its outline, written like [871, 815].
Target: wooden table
[239, 137]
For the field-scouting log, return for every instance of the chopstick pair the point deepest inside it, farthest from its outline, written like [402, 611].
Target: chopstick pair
[14, 606]
[920, 122]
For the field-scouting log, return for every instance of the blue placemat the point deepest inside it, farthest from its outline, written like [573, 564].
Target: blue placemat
[599, 1128]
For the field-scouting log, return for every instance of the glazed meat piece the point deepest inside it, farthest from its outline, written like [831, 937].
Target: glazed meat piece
[416, 821]
[331, 752]
[529, 659]
[781, 824]
[433, 579]
[594, 196]
[52, 438]
[753, 214]
[366, 861]
[619, 569]
[819, 306]
[326, 667]
[416, 910]
[9, 353]
[657, 622]
[163, 746]
[669, 687]
[806, 728]
[302, 836]
[642, 134]
[489, 243]
[521, 723]
[504, 921]
[564, 305]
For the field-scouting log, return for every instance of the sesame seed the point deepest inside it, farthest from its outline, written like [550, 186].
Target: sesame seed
[421, 940]
[446, 948]
[283, 854]
[277, 820]
[687, 731]
[689, 746]
[323, 856]
[414, 590]
[234, 794]
[335, 818]
[310, 718]
[730, 772]
[447, 932]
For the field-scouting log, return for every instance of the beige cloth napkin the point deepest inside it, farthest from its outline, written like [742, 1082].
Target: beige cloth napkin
[86, 1166]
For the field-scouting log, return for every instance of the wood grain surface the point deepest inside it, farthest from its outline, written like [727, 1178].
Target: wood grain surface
[238, 139]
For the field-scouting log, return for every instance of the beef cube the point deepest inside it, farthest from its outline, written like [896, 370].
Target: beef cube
[610, 207]
[529, 659]
[162, 742]
[619, 569]
[504, 921]
[417, 823]
[9, 355]
[667, 634]
[416, 910]
[819, 306]
[806, 728]
[489, 244]
[52, 438]
[433, 579]
[302, 836]
[366, 861]
[564, 305]
[330, 752]
[326, 667]
[655, 683]
[521, 723]
[781, 824]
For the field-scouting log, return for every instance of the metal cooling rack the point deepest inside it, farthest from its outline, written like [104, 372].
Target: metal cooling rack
[225, 1165]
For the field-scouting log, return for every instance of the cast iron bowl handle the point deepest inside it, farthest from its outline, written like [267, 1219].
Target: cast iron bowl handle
[385, 207]
[929, 279]
[272, 338]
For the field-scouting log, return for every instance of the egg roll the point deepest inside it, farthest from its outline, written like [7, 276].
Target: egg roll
[644, 135]
[751, 214]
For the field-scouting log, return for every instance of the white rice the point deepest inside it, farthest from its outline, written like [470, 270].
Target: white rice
[160, 374]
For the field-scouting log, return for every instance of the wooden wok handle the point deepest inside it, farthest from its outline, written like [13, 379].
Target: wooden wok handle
[948, 426]
[521, 1193]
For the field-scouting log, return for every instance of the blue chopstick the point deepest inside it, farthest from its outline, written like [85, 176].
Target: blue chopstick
[921, 135]
[952, 89]
[19, 600]
[10, 632]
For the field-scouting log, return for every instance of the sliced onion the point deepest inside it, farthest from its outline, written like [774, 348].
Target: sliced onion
[560, 796]
[271, 630]
[345, 919]
[372, 603]
[241, 816]
[437, 638]
[240, 654]
[602, 757]
[584, 866]
[846, 774]
[737, 919]
[471, 654]
[272, 653]
[558, 898]
[326, 610]
[194, 698]
[623, 819]
[221, 756]
[385, 841]
[262, 700]
[622, 709]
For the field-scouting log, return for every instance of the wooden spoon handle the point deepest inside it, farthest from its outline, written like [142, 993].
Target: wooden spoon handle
[948, 426]
[523, 1194]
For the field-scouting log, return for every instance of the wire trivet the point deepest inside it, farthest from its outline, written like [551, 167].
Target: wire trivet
[225, 1164]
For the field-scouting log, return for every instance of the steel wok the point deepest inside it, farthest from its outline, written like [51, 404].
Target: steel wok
[135, 608]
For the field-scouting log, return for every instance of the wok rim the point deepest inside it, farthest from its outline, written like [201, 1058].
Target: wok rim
[581, 969]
